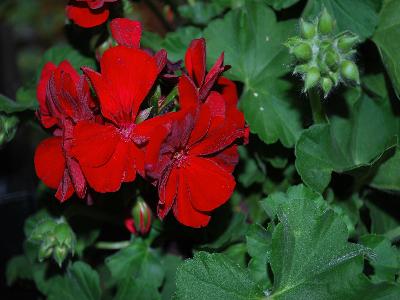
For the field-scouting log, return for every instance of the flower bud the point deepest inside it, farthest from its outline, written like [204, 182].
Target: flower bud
[325, 23]
[302, 52]
[64, 235]
[43, 230]
[307, 29]
[312, 77]
[140, 223]
[332, 59]
[334, 76]
[45, 251]
[349, 71]
[8, 128]
[59, 254]
[347, 42]
[326, 85]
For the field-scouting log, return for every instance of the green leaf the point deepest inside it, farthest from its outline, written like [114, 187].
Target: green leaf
[131, 288]
[311, 258]
[386, 38]
[175, 43]
[170, 263]
[381, 221]
[214, 276]
[388, 175]
[387, 260]
[138, 261]
[235, 232]
[18, 268]
[81, 282]
[376, 84]
[252, 41]
[281, 4]
[358, 16]
[200, 13]
[59, 53]
[345, 145]
[10, 106]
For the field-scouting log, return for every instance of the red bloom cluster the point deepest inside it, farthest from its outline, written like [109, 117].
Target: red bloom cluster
[188, 153]
[88, 13]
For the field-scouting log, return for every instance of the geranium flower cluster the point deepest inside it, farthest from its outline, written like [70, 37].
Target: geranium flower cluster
[104, 134]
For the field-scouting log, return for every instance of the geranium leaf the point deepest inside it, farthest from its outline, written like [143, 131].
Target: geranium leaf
[80, 282]
[345, 145]
[281, 4]
[388, 176]
[253, 44]
[386, 38]
[214, 276]
[138, 261]
[358, 16]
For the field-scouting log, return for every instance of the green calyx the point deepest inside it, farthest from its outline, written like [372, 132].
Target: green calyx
[324, 59]
[55, 238]
[8, 128]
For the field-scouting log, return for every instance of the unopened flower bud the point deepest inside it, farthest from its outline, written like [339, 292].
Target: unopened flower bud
[326, 85]
[349, 71]
[332, 60]
[312, 77]
[334, 76]
[347, 42]
[8, 128]
[45, 251]
[302, 52]
[307, 29]
[325, 23]
[59, 254]
[64, 235]
[140, 223]
[43, 230]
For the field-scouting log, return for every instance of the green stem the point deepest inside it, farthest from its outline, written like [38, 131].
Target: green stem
[171, 96]
[112, 245]
[394, 234]
[317, 108]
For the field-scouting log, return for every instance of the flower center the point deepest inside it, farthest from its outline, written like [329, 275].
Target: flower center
[126, 130]
[180, 157]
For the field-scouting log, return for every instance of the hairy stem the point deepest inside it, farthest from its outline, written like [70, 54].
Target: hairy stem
[112, 245]
[317, 108]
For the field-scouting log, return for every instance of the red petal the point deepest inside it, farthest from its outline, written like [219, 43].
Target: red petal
[167, 192]
[195, 61]
[44, 114]
[227, 158]
[210, 186]
[126, 32]
[94, 144]
[130, 225]
[183, 209]
[85, 17]
[65, 188]
[188, 97]
[212, 77]
[127, 77]
[120, 168]
[228, 90]
[161, 59]
[50, 162]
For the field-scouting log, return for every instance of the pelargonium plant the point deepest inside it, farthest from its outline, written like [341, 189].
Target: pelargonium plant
[250, 152]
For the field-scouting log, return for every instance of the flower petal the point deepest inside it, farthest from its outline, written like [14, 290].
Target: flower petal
[50, 162]
[183, 210]
[210, 185]
[167, 190]
[85, 17]
[188, 98]
[126, 32]
[195, 61]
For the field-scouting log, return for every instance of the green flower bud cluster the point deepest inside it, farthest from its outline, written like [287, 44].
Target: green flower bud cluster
[55, 238]
[8, 128]
[324, 59]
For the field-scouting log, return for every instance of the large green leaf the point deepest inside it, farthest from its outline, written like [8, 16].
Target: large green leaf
[381, 221]
[386, 38]
[170, 264]
[345, 145]
[388, 175]
[358, 16]
[387, 260]
[281, 4]
[311, 257]
[138, 261]
[10, 106]
[252, 41]
[80, 282]
[214, 276]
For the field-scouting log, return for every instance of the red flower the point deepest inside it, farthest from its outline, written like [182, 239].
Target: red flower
[195, 63]
[112, 153]
[192, 159]
[88, 13]
[64, 100]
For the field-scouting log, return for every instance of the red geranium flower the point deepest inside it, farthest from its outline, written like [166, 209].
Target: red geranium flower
[111, 153]
[64, 100]
[88, 13]
[192, 159]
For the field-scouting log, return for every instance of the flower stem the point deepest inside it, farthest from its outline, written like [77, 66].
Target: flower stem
[112, 245]
[317, 108]
[394, 234]
[171, 97]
